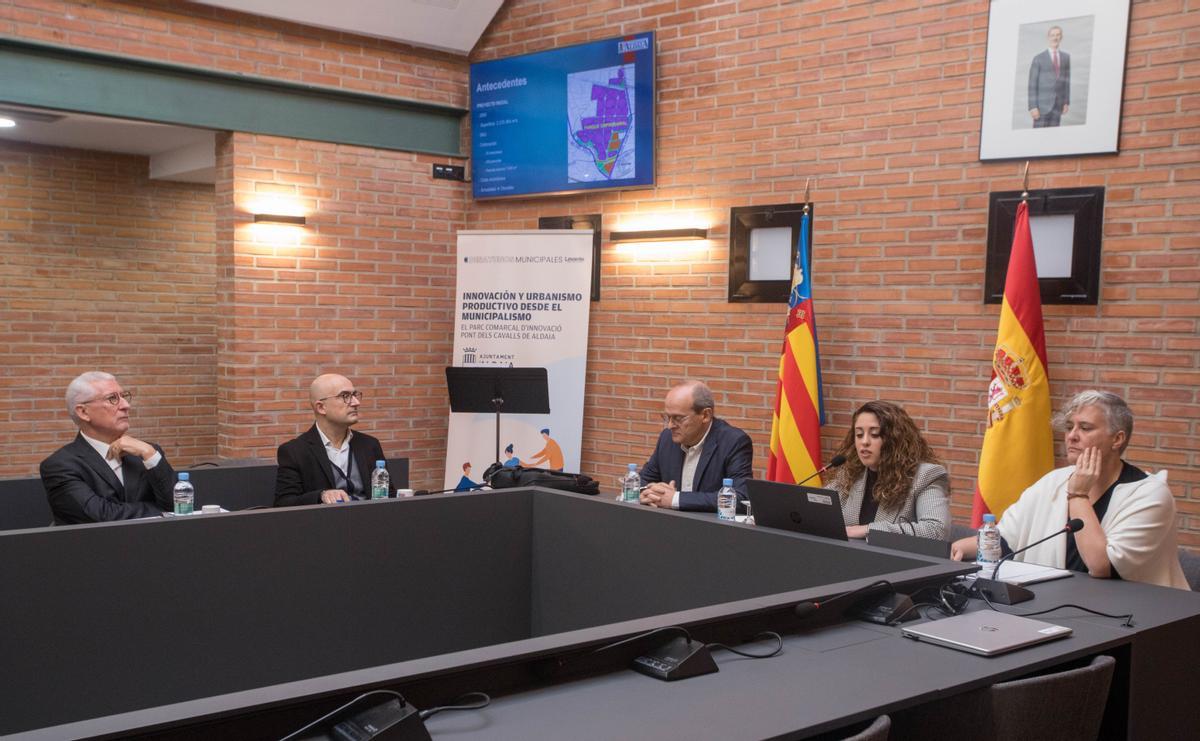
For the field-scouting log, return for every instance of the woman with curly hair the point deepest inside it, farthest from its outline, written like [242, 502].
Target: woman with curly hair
[892, 480]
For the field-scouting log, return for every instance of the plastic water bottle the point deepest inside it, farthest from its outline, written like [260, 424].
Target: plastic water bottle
[631, 483]
[185, 495]
[989, 541]
[380, 481]
[727, 500]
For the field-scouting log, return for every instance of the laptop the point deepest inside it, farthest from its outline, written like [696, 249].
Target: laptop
[801, 509]
[909, 543]
[986, 632]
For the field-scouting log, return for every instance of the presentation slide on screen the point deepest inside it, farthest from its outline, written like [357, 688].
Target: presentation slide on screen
[568, 119]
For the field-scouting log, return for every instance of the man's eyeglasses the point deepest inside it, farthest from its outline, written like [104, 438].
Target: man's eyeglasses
[674, 420]
[112, 399]
[345, 396]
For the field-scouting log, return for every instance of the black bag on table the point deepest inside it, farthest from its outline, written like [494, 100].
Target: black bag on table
[500, 477]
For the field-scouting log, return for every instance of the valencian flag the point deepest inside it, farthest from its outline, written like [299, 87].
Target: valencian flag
[1018, 445]
[799, 413]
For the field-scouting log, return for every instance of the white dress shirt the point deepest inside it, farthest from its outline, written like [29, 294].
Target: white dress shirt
[339, 457]
[691, 459]
[115, 463]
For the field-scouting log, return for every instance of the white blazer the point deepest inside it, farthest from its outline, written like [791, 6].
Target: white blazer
[1139, 526]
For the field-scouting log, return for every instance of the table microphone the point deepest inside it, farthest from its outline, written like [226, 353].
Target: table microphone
[1010, 594]
[837, 461]
[845, 599]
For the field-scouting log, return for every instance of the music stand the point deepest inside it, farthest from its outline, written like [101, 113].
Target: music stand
[498, 389]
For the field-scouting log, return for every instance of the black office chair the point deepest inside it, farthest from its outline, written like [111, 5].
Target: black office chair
[1062, 706]
[958, 532]
[1190, 563]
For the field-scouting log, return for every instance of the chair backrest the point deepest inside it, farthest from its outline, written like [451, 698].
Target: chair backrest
[958, 532]
[23, 504]
[1062, 706]
[1190, 563]
[236, 486]
[877, 731]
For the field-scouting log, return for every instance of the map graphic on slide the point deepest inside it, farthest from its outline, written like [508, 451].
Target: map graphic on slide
[600, 117]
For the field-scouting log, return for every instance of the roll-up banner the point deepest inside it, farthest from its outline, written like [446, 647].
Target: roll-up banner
[522, 301]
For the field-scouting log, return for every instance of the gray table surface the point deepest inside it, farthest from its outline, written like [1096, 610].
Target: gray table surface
[823, 680]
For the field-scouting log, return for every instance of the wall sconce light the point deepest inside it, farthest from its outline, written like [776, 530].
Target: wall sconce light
[659, 235]
[279, 219]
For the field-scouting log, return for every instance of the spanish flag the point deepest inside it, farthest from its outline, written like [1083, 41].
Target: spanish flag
[1018, 445]
[796, 425]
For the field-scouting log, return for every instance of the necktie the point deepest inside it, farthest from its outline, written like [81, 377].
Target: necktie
[1056, 64]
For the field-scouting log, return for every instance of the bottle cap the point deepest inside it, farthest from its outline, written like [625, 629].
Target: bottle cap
[183, 475]
[989, 517]
[726, 482]
[632, 466]
[380, 464]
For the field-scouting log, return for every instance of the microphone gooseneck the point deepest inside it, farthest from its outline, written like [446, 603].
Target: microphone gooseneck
[804, 609]
[837, 461]
[1073, 526]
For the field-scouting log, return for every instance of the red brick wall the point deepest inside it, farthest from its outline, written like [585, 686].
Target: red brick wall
[365, 289]
[101, 268]
[878, 102]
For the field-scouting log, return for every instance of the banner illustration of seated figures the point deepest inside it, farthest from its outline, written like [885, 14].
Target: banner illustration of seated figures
[522, 300]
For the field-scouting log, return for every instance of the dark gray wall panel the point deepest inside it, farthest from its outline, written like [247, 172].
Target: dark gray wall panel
[90, 82]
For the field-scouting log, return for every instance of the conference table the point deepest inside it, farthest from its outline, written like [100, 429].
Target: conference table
[251, 624]
[832, 677]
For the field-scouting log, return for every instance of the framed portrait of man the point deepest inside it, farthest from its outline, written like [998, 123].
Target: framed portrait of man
[1053, 80]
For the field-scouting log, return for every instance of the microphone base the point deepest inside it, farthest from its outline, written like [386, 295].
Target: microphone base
[1001, 592]
[678, 659]
[887, 609]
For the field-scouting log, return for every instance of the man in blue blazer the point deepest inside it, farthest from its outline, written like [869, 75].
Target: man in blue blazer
[328, 463]
[694, 452]
[104, 473]
[1050, 83]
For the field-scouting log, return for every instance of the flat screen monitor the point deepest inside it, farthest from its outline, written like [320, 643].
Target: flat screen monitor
[566, 120]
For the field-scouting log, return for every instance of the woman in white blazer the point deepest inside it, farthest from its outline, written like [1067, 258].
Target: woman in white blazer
[1128, 515]
[892, 480]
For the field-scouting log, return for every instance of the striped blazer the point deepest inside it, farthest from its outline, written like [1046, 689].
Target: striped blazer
[925, 512]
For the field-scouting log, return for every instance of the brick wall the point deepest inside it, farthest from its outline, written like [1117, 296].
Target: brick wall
[365, 289]
[101, 268]
[878, 102]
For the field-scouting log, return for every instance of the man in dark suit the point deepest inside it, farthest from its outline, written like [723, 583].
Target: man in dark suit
[104, 473]
[1050, 83]
[328, 463]
[694, 453]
